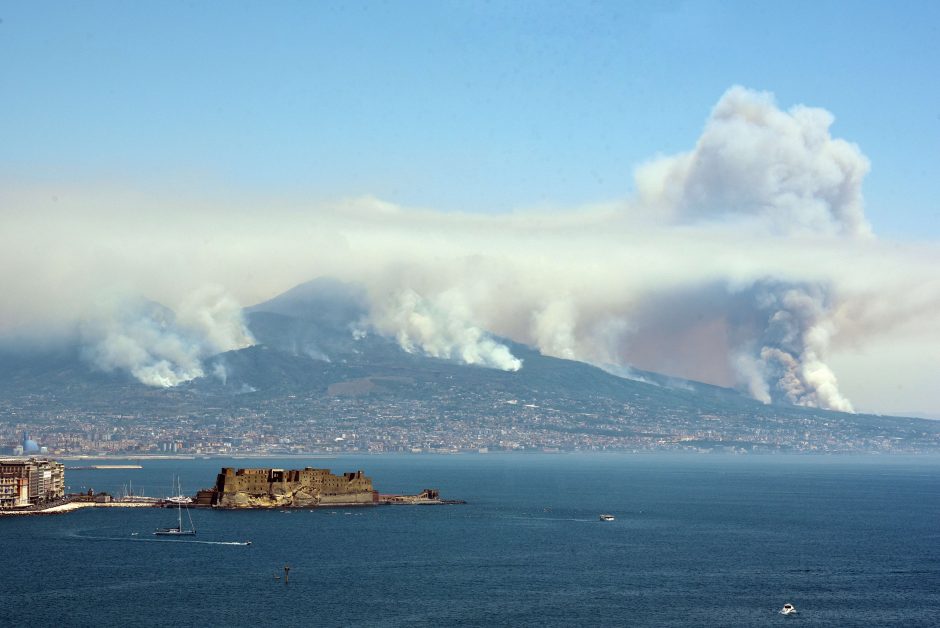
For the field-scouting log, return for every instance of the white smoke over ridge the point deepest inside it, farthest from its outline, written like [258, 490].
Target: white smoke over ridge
[669, 281]
[774, 170]
[220, 372]
[439, 327]
[212, 317]
[554, 329]
[754, 161]
[792, 348]
[159, 348]
[776, 336]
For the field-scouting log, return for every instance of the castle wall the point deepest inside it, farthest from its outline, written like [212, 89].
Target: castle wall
[262, 487]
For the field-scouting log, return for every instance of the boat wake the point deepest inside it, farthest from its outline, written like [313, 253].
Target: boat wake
[558, 519]
[242, 543]
[135, 538]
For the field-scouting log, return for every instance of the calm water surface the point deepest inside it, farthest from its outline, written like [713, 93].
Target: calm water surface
[697, 541]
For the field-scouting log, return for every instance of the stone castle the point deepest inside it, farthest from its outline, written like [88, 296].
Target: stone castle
[288, 488]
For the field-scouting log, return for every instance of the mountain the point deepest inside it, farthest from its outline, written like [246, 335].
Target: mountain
[319, 375]
[320, 325]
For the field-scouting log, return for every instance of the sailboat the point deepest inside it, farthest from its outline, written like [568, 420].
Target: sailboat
[178, 530]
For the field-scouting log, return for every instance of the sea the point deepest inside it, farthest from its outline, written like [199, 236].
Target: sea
[697, 540]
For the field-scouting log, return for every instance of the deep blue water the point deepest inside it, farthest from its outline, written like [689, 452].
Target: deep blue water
[697, 541]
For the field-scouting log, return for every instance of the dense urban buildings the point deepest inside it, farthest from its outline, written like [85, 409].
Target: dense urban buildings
[464, 420]
[30, 481]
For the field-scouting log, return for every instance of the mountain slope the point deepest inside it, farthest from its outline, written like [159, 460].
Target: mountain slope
[318, 371]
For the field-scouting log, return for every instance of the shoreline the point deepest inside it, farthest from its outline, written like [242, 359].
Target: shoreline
[59, 509]
[72, 506]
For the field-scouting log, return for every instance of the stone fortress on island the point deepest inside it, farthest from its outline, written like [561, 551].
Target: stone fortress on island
[254, 488]
[300, 488]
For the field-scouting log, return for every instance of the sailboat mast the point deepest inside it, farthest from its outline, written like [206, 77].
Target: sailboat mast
[179, 504]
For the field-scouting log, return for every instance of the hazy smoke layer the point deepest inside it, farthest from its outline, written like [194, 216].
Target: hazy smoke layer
[755, 160]
[771, 337]
[440, 328]
[159, 348]
[747, 261]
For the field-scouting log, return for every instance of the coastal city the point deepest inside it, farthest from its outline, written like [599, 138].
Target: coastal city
[36, 485]
[470, 422]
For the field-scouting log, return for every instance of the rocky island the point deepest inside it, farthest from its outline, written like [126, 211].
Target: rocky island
[302, 488]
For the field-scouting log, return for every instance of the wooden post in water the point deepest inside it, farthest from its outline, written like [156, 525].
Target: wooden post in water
[286, 573]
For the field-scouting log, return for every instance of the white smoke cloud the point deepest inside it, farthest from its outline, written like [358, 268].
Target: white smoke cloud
[774, 335]
[554, 329]
[215, 319]
[753, 375]
[794, 344]
[755, 160]
[744, 262]
[220, 372]
[439, 327]
[158, 347]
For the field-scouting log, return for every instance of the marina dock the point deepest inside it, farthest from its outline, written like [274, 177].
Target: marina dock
[102, 467]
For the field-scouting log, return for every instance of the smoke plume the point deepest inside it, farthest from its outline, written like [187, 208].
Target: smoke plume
[158, 347]
[440, 327]
[791, 350]
[755, 160]
[746, 261]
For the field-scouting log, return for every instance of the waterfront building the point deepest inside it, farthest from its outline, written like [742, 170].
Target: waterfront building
[30, 481]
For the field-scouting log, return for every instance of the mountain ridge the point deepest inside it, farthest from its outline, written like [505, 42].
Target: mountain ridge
[317, 368]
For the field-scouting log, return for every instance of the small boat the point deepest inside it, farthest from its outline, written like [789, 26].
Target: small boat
[174, 531]
[178, 530]
[788, 609]
[606, 517]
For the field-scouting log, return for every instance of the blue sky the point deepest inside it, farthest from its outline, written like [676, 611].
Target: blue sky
[480, 107]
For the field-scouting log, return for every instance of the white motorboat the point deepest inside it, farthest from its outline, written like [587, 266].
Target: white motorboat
[788, 609]
[606, 517]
